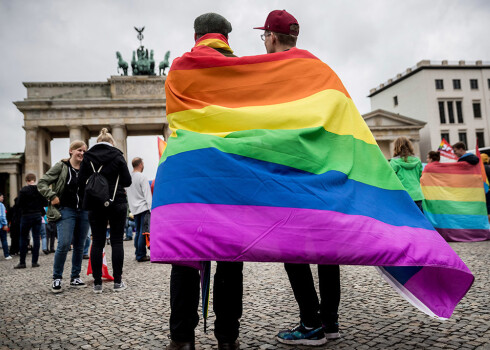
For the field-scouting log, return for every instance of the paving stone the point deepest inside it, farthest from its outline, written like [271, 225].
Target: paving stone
[372, 314]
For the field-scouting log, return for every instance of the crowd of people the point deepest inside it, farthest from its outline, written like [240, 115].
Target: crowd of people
[59, 207]
[93, 188]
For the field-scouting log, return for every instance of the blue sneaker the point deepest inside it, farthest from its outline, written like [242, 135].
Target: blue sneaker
[301, 335]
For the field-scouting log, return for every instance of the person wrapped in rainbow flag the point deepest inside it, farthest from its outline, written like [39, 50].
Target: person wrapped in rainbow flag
[269, 160]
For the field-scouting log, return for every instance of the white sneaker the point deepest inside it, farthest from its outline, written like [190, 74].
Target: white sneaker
[8, 258]
[56, 287]
[77, 283]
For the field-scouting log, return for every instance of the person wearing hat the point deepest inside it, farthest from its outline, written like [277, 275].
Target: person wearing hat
[211, 29]
[318, 320]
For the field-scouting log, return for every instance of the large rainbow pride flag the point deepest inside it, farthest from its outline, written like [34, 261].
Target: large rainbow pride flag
[455, 201]
[270, 161]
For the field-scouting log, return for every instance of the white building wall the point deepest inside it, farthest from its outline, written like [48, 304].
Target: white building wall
[418, 98]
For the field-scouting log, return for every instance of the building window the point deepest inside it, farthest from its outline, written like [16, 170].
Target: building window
[450, 112]
[442, 114]
[474, 84]
[456, 84]
[462, 137]
[476, 109]
[395, 100]
[480, 138]
[459, 112]
[439, 84]
[488, 83]
[445, 136]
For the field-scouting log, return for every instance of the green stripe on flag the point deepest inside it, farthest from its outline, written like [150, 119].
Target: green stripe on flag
[314, 150]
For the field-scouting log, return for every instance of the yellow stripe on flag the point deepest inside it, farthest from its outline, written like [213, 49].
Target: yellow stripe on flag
[320, 109]
[460, 194]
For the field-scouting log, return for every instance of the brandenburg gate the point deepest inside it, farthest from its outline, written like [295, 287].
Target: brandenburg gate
[126, 105]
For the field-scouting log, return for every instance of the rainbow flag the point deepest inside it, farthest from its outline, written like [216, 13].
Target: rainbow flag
[455, 201]
[446, 150]
[270, 161]
[161, 146]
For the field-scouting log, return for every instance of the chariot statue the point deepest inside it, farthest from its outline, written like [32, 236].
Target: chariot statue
[142, 62]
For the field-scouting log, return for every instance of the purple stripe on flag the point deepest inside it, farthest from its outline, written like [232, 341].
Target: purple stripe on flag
[455, 282]
[464, 235]
[196, 232]
[190, 232]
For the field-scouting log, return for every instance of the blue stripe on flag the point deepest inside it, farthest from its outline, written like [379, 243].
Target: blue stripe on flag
[214, 177]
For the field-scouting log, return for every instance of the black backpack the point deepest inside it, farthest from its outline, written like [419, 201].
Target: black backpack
[97, 188]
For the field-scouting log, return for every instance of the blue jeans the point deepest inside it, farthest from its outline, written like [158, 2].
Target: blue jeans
[44, 242]
[87, 245]
[139, 239]
[5, 243]
[73, 225]
[129, 228]
[28, 222]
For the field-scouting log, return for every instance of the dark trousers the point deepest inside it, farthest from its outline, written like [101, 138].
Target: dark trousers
[227, 301]
[139, 238]
[115, 215]
[27, 223]
[15, 238]
[50, 235]
[419, 204]
[5, 243]
[312, 312]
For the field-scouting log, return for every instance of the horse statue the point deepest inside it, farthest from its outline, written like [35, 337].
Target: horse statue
[164, 64]
[152, 63]
[133, 64]
[121, 64]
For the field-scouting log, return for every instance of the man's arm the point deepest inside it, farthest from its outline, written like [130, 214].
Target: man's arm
[145, 188]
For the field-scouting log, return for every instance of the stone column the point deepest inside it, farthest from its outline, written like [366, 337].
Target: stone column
[119, 134]
[79, 133]
[13, 188]
[392, 148]
[32, 161]
[416, 149]
[75, 133]
[44, 149]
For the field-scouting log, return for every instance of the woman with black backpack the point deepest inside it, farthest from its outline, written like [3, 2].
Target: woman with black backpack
[104, 174]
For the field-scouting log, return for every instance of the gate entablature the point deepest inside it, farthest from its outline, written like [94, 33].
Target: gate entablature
[127, 105]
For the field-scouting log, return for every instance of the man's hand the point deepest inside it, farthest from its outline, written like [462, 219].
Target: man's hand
[5, 228]
[55, 201]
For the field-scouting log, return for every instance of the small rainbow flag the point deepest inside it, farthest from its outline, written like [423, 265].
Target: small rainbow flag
[455, 201]
[446, 150]
[161, 146]
[270, 161]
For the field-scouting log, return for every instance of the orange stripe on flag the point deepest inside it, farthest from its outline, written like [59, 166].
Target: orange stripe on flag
[242, 86]
[452, 180]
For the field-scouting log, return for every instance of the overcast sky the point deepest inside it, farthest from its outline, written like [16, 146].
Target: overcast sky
[365, 42]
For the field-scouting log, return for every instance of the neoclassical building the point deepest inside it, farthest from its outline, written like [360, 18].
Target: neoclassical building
[451, 97]
[126, 105]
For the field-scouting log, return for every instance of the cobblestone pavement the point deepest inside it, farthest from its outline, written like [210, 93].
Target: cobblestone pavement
[372, 315]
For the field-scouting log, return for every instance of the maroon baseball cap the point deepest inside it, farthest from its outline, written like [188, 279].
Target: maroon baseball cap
[281, 21]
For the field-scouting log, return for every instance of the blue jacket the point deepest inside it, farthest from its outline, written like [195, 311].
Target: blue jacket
[3, 216]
